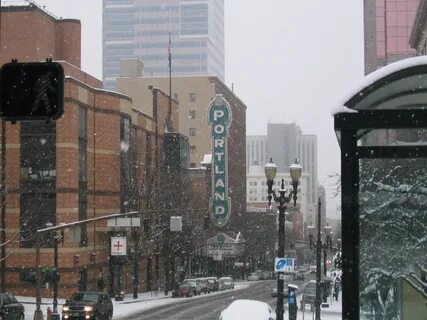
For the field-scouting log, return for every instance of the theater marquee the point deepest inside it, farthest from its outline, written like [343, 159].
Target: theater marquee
[219, 117]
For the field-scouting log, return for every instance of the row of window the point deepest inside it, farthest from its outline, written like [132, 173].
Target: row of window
[275, 183]
[181, 56]
[175, 44]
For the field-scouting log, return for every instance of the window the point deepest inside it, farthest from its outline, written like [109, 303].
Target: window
[192, 97]
[175, 96]
[192, 114]
[193, 149]
[192, 132]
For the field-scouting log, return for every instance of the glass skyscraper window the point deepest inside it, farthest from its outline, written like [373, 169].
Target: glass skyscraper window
[140, 29]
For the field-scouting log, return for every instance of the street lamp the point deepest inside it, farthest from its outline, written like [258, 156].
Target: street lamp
[282, 200]
[319, 245]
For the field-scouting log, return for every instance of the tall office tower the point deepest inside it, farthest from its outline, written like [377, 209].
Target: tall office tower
[256, 151]
[282, 144]
[307, 156]
[388, 25]
[140, 29]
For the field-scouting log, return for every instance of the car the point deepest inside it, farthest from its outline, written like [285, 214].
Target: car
[183, 290]
[243, 309]
[88, 305]
[313, 269]
[203, 285]
[299, 275]
[10, 308]
[212, 284]
[309, 295]
[253, 277]
[195, 284]
[226, 283]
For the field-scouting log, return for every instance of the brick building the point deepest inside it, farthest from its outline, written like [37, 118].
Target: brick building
[103, 156]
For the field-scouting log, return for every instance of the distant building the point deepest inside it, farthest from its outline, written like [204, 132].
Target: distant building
[256, 151]
[388, 26]
[418, 38]
[140, 29]
[322, 195]
[283, 143]
[257, 189]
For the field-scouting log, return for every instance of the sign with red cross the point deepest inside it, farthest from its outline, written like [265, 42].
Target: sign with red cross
[118, 246]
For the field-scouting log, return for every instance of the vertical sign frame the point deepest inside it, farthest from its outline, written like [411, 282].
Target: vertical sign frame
[220, 119]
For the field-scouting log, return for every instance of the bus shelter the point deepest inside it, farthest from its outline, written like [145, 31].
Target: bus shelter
[381, 129]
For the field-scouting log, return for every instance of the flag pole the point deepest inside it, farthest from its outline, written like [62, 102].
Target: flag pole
[169, 122]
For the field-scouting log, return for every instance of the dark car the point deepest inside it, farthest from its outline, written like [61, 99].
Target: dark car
[88, 305]
[10, 308]
[299, 275]
[183, 290]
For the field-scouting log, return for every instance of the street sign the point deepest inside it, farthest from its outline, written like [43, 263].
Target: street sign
[118, 246]
[284, 265]
[124, 222]
[282, 276]
[217, 255]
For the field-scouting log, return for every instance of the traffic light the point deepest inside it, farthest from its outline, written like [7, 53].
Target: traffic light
[31, 91]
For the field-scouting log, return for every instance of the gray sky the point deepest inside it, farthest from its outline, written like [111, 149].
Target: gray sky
[290, 61]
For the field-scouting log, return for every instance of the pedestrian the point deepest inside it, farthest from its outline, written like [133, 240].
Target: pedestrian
[336, 290]
[100, 281]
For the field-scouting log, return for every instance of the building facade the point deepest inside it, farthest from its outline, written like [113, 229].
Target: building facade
[388, 26]
[418, 38]
[140, 29]
[103, 156]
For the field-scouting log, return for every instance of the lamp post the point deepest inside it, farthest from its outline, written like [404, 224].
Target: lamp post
[319, 245]
[282, 200]
[55, 314]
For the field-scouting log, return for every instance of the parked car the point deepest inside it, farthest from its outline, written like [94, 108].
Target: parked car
[226, 283]
[195, 284]
[10, 308]
[88, 305]
[253, 277]
[313, 269]
[299, 275]
[247, 309]
[309, 295]
[212, 284]
[203, 285]
[183, 290]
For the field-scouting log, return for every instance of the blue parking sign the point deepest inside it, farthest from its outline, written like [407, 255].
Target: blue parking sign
[284, 265]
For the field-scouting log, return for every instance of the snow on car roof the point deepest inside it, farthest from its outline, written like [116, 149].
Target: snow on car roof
[246, 310]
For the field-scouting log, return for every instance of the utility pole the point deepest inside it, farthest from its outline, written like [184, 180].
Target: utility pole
[318, 266]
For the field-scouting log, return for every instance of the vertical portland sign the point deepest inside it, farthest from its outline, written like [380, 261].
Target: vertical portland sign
[219, 117]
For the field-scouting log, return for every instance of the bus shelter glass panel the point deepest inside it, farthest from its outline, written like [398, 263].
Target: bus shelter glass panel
[393, 239]
[392, 137]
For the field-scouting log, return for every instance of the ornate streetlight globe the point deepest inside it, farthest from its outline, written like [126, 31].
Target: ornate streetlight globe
[295, 170]
[270, 170]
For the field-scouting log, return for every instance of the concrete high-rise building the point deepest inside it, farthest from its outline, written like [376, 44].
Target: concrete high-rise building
[140, 29]
[285, 142]
[282, 139]
[388, 25]
[322, 195]
[256, 151]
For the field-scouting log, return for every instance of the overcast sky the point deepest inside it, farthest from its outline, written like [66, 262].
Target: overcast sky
[289, 61]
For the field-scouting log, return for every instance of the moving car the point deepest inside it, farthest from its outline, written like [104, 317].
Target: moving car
[183, 290]
[309, 295]
[10, 308]
[313, 269]
[299, 275]
[226, 283]
[253, 277]
[247, 310]
[88, 305]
